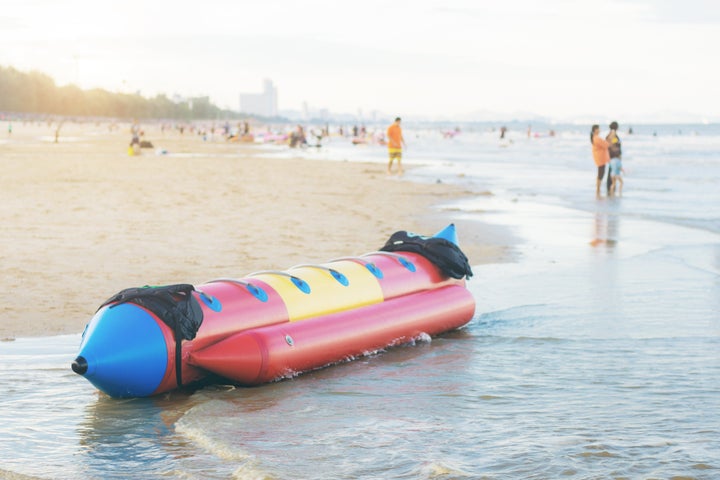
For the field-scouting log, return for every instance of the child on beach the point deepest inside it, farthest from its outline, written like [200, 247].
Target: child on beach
[616, 171]
[614, 149]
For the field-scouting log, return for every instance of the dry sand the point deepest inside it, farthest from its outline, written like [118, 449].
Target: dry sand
[81, 219]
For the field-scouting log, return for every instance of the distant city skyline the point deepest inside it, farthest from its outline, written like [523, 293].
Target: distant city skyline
[451, 59]
[264, 103]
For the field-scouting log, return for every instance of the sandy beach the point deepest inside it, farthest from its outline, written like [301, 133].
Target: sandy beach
[83, 219]
[592, 351]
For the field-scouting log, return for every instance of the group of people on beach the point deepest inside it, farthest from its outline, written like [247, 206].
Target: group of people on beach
[607, 153]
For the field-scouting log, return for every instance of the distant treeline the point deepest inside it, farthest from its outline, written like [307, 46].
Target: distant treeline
[36, 93]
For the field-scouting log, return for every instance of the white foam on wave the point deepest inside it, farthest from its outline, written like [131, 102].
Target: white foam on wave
[442, 469]
[7, 475]
[251, 471]
[197, 426]
[421, 337]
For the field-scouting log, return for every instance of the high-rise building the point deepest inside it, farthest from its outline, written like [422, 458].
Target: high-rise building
[264, 103]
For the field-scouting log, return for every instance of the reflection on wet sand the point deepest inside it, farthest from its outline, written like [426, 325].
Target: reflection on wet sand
[606, 229]
[168, 434]
[115, 433]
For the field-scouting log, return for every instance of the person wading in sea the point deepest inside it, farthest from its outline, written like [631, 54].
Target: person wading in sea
[615, 150]
[600, 155]
[395, 144]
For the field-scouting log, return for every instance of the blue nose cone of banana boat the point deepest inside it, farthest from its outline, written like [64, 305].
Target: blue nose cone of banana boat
[123, 352]
[448, 233]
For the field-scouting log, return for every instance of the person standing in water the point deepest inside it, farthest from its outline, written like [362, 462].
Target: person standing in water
[615, 151]
[615, 173]
[395, 143]
[600, 155]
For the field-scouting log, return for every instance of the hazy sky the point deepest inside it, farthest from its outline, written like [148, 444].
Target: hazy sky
[444, 58]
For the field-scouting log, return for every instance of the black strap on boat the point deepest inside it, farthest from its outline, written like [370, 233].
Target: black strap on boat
[178, 361]
[174, 305]
[443, 253]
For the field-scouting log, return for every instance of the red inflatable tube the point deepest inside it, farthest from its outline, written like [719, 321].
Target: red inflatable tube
[281, 350]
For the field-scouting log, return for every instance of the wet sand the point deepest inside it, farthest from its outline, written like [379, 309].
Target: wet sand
[83, 219]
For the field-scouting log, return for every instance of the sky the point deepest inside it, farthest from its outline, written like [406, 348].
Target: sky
[444, 59]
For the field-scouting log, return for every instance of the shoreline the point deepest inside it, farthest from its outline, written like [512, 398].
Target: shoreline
[87, 220]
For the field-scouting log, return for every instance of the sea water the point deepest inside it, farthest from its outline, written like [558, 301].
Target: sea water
[596, 354]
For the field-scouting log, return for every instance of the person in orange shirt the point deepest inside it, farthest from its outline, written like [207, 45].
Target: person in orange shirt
[395, 144]
[600, 155]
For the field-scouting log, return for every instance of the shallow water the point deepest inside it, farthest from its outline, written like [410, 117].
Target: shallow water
[594, 356]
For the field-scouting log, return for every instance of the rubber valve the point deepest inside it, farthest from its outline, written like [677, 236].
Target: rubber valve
[80, 366]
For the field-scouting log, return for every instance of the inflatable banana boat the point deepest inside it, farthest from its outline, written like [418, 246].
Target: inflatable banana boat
[276, 324]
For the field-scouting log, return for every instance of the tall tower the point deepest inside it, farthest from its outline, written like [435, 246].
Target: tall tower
[264, 103]
[271, 94]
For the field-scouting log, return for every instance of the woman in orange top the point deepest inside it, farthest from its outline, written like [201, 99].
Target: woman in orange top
[600, 155]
